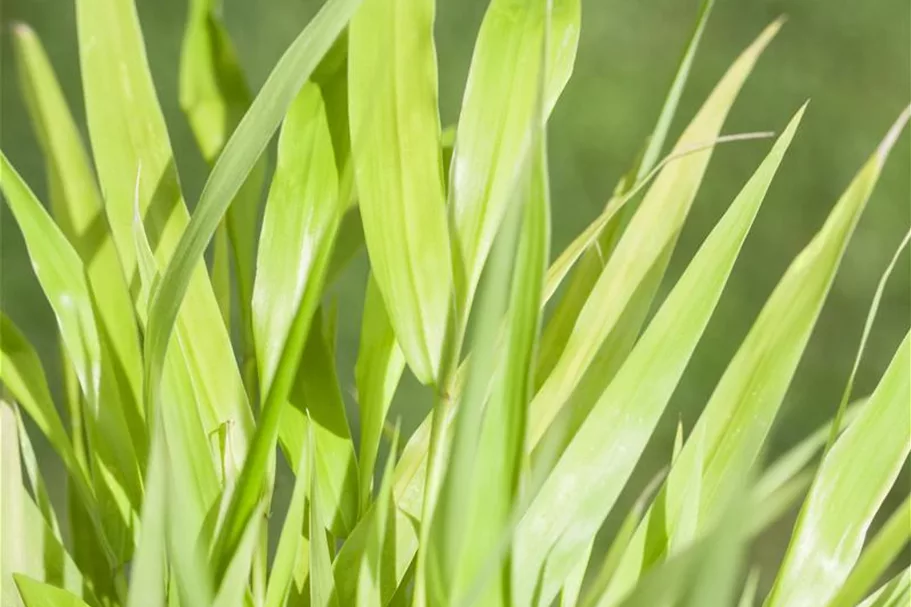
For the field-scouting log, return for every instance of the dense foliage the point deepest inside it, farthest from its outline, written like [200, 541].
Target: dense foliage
[179, 406]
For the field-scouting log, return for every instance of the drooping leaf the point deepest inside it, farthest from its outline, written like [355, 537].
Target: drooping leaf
[738, 416]
[856, 474]
[395, 131]
[582, 488]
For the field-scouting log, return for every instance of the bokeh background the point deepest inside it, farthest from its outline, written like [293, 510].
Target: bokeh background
[852, 59]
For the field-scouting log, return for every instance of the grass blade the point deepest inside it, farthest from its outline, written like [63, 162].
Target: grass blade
[878, 554]
[493, 141]
[601, 456]
[738, 417]
[214, 96]
[633, 272]
[395, 128]
[38, 594]
[894, 593]
[856, 474]
[369, 579]
[322, 586]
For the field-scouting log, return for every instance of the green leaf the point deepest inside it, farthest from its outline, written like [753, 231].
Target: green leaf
[856, 474]
[599, 459]
[379, 367]
[750, 589]
[500, 100]
[739, 415]
[62, 277]
[395, 142]
[589, 267]
[77, 207]
[599, 341]
[369, 579]
[292, 540]
[38, 594]
[36, 480]
[214, 96]
[136, 168]
[894, 593]
[322, 586]
[29, 545]
[233, 590]
[878, 554]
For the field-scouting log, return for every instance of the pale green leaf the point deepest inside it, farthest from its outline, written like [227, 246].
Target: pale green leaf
[395, 142]
[750, 589]
[234, 585]
[856, 474]
[878, 554]
[582, 488]
[38, 594]
[501, 96]
[379, 367]
[369, 578]
[322, 586]
[136, 168]
[894, 593]
[634, 270]
[739, 415]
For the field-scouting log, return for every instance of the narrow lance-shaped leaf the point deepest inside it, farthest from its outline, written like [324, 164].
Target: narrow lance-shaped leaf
[61, 274]
[878, 555]
[589, 267]
[214, 96]
[369, 578]
[395, 142]
[78, 210]
[628, 282]
[894, 593]
[39, 594]
[856, 474]
[322, 586]
[580, 491]
[239, 156]
[379, 367]
[738, 417]
[129, 137]
[500, 100]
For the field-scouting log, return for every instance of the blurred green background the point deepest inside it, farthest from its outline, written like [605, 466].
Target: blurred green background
[853, 59]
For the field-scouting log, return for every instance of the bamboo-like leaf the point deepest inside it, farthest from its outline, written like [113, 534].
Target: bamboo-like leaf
[379, 367]
[738, 416]
[589, 267]
[395, 130]
[369, 578]
[62, 277]
[579, 493]
[214, 96]
[78, 210]
[482, 479]
[893, 593]
[856, 474]
[136, 168]
[233, 590]
[29, 545]
[500, 100]
[627, 284]
[39, 594]
[878, 554]
[36, 479]
[292, 540]
[322, 586]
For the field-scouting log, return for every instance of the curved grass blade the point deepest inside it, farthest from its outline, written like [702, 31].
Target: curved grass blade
[628, 282]
[129, 137]
[581, 489]
[856, 474]
[78, 210]
[39, 594]
[739, 416]
[369, 578]
[214, 96]
[379, 368]
[878, 554]
[500, 100]
[62, 276]
[894, 593]
[585, 276]
[395, 128]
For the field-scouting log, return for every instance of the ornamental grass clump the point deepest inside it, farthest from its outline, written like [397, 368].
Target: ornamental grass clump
[178, 407]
